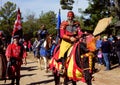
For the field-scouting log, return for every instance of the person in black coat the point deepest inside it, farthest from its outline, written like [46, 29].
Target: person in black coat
[117, 44]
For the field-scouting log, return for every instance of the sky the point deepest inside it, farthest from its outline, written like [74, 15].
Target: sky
[37, 6]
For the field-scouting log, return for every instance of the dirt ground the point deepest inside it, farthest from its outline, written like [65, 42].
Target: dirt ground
[32, 75]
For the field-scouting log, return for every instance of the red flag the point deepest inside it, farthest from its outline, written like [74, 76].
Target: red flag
[17, 30]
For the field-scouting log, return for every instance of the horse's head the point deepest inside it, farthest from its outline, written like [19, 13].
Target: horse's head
[48, 41]
[91, 42]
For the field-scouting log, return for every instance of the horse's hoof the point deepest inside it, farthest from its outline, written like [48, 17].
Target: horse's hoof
[46, 71]
[93, 78]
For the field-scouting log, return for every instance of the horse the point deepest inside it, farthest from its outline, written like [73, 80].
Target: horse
[78, 63]
[44, 52]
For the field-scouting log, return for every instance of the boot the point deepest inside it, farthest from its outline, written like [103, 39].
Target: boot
[17, 81]
[63, 67]
[12, 81]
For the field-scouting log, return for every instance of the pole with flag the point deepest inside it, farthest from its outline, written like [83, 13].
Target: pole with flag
[58, 26]
[17, 30]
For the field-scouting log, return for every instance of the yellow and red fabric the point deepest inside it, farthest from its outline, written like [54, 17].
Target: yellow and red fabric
[73, 71]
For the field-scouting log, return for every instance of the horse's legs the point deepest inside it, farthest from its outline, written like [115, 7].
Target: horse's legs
[45, 63]
[88, 77]
[74, 82]
[66, 80]
[56, 78]
[39, 62]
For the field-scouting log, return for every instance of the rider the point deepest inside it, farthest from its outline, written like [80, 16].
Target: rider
[42, 32]
[69, 33]
[41, 45]
[41, 36]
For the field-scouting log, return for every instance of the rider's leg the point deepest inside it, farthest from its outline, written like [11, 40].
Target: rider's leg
[64, 46]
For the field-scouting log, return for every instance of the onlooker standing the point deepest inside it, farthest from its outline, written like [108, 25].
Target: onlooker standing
[35, 49]
[29, 46]
[99, 55]
[25, 44]
[15, 53]
[98, 42]
[98, 47]
[106, 47]
[110, 38]
[118, 48]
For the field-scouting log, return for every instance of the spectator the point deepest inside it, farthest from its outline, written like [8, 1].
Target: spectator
[118, 48]
[99, 55]
[15, 53]
[29, 46]
[35, 48]
[25, 44]
[106, 47]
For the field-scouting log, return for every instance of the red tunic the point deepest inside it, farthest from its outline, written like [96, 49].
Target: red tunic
[16, 51]
[66, 33]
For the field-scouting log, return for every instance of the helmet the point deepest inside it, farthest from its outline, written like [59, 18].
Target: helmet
[70, 14]
[16, 37]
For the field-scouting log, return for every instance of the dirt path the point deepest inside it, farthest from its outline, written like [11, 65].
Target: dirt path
[31, 75]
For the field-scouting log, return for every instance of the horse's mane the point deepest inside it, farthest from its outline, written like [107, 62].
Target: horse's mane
[81, 49]
[91, 43]
[48, 42]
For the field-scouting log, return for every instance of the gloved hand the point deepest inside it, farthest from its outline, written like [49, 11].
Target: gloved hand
[73, 39]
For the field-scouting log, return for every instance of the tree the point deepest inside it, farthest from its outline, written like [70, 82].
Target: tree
[99, 9]
[116, 8]
[66, 4]
[30, 25]
[7, 17]
[49, 19]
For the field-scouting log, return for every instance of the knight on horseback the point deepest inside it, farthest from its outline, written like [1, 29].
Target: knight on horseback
[72, 58]
[43, 45]
[70, 32]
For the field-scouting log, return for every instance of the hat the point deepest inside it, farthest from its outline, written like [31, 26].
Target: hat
[105, 37]
[118, 36]
[15, 36]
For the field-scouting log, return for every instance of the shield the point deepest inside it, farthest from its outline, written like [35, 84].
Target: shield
[102, 25]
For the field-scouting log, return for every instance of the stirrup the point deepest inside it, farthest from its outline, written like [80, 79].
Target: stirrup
[61, 71]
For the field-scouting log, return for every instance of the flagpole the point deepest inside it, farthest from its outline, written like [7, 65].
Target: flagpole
[17, 29]
[58, 27]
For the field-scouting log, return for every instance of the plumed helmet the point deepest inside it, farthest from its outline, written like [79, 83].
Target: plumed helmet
[16, 37]
[70, 14]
